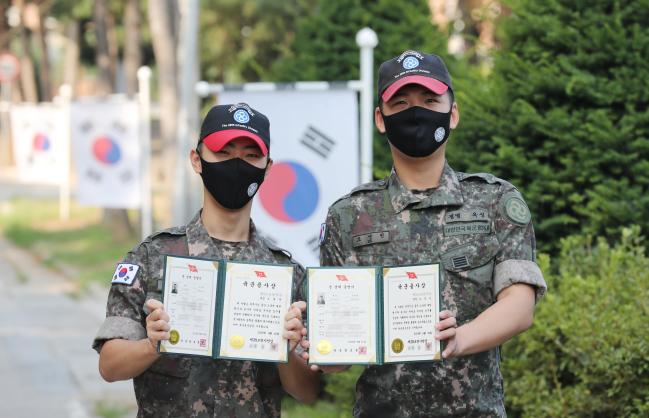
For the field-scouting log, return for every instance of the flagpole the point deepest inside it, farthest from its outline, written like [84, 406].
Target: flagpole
[144, 102]
[65, 92]
[366, 40]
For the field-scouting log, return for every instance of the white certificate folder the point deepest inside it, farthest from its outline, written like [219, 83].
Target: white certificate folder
[225, 309]
[373, 315]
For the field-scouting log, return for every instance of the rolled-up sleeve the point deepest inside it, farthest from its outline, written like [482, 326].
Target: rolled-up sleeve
[516, 259]
[125, 317]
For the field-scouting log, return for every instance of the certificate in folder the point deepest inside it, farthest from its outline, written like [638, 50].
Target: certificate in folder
[226, 310]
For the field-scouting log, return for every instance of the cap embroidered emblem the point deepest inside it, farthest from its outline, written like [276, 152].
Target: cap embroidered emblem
[241, 116]
[410, 63]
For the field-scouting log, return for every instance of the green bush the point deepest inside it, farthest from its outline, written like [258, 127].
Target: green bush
[564, 115]
[587, 353]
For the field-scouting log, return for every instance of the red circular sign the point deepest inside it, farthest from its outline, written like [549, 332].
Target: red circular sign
[9, 67]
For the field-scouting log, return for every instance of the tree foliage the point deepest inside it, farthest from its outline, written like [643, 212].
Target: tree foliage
[241, 40]
[564, 115]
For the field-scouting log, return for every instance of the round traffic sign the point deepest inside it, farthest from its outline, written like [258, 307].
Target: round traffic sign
[9, 67]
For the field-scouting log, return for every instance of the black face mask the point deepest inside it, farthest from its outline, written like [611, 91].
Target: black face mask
[233, 182]
[417, 131]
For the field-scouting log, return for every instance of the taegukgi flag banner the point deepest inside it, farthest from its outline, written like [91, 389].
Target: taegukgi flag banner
[315, 149]
[39, 142]
[106, 152]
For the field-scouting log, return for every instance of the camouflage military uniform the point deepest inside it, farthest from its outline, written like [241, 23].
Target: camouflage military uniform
[182, 386]
[478, 227]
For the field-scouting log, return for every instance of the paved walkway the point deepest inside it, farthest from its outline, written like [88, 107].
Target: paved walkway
[47, 366]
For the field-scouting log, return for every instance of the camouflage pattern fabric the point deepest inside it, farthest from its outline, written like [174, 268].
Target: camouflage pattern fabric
[478, 228]
[183, 386]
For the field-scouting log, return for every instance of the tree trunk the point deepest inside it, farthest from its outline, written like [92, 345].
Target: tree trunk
[119, 224]
[4, 27]
[71, 65]
[27, 73]
[132, 54]
[45, 72]
[103, 58]
[164, 36]
[116, 219]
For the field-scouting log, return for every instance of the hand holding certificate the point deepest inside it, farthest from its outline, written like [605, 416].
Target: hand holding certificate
[372, 315]
[226, 310]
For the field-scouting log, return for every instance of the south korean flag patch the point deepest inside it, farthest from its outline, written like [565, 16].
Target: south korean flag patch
[125, 274]
[323, 234]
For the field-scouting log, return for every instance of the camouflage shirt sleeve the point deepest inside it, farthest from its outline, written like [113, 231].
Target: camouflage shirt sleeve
[298, 282]
[516, 260]
[331, 250]
[125, 317]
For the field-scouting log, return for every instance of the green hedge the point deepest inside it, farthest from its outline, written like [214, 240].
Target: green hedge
[587, 353]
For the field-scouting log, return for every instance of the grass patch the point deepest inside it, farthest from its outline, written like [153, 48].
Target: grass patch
[81, 246]
[104, 410]
[321, 409]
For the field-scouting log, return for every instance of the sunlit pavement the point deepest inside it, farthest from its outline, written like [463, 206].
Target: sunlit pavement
[47, 366]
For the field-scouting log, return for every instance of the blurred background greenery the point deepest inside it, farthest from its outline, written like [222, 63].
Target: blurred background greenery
[553, 97]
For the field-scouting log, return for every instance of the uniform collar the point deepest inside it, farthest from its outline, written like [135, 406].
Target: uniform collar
[448, 193]
[200, 244]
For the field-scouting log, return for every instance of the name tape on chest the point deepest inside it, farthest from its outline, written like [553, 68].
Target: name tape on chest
[468, 215]
[466, 228]
[467, 221]
[125, 273]
[370, 238]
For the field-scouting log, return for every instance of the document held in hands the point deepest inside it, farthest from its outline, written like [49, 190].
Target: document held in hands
[226, 310]
[373, 315]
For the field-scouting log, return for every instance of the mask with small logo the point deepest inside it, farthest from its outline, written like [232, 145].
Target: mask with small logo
[232, 182]
[417, 131]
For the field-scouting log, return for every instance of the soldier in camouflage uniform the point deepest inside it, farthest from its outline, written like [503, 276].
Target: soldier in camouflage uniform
[476, 226]
[232, 158]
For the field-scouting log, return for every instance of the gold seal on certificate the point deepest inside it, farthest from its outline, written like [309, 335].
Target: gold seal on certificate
[174, 337]
[324, 347]
[373, 315]
[397, 345]
[229, 310]
[237, 342]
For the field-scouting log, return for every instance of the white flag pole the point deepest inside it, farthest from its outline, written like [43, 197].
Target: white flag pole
[144, 130]
[366, 40]
[65, 92]
[188, 109]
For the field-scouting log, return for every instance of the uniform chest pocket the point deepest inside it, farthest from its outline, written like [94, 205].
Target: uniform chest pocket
[473, 260]
[173, 366]
[374, 255]
[165, 379]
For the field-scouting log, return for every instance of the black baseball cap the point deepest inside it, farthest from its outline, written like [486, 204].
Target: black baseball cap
[223, 123]
[413, 67]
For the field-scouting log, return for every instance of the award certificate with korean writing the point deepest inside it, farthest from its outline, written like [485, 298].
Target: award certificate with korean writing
[410, 313]
[342, 319]
[367, 315]
[189, 298]
[256, 298]
[224, 309]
